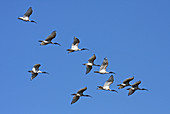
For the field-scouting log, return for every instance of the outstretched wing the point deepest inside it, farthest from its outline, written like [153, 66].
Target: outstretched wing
[82, 90]
[91, 60]
[51, 36]
[104, 64]
[36, 66]
[29, 12]
[136, 84]
[75, 43]
[75, 99]
[131, 91]
[128, 80]
[88, 69]
[33, 75]
[109, 81]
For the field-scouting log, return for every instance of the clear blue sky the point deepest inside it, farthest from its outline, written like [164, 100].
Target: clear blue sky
[133, 34]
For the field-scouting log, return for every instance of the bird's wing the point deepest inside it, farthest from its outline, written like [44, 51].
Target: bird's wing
[109, 81]
[29, 12]
[92, 59]
[128, 80]
[104, 64]
[76, 41]
[51, 36]
[33, 75]
[75, 98]
[88, 69]
[82, 90]
[136, 84]
[36, 66]
[131, 91]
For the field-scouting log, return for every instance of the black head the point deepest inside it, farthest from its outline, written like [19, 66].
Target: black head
[96, 65]
[57, 44]
[33, 21]
[114, 91]
[45, 72]
[112, 72]
[144, 89]
[84, 49]
[87, 95]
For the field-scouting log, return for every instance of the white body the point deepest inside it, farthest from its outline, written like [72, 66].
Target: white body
[75, 47]
[36, 70]
[24, 18]
[103, 71]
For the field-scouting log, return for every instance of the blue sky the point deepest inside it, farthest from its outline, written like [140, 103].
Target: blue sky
[133, 34]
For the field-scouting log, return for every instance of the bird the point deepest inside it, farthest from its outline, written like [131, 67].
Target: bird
[75, 46]
[135, 87]
[90, 64]
[125, 83]
[103, 67]
[107, 84]
[79, 94]
[48, 39]
[27, 15]
[35, 71]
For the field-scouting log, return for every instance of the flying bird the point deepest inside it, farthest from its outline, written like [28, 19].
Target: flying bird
[49, 38]
[107, 84]
[90, 64]
[35, 71]
[125, 83]
[79, 94]
[27, 15]
[75, 46]
[103, 67]
[135, 87]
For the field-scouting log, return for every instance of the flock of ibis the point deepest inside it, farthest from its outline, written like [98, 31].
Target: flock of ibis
[35, 70]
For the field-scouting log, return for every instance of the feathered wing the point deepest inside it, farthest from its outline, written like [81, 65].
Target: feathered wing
[33, 75]
[104, 64]
[91, 60]
[131, 92]
[82, 90]
[36, 67]
[136, 84]
[75, 99]
[109, 81]
[75, 43]
[29, 12]
[128, 80]
[88, 69]
[51, 36]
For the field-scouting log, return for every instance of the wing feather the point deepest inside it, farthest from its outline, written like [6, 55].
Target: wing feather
[82, 90]
[88, 69]
[33, 75]
[128, 80]
[104, 64]
[75, 99]
[131, 92]
[29, 12]
[51, 36]
[91, 60]
[109, 81]
[136, 84]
